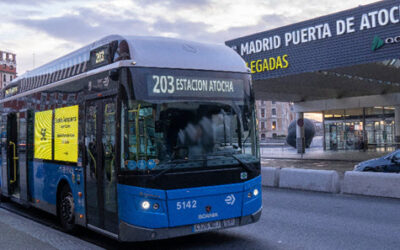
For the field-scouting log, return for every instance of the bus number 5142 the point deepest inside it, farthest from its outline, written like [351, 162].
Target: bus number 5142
[186, 204]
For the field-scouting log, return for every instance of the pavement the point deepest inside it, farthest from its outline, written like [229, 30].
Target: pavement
[339, 166]
[309, 220]
[317, 153]
[291, 219]
[316, 158]
[17, 232]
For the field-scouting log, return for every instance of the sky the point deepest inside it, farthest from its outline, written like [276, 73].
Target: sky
[41, 31]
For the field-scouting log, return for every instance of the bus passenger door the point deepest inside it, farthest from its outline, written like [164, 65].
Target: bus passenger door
[12, 154]
[22, 154]
[4, 163]
[100, 136]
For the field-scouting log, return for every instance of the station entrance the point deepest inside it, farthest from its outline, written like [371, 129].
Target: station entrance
[347, 129]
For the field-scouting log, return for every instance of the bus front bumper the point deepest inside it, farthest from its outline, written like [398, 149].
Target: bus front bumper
[129, 232]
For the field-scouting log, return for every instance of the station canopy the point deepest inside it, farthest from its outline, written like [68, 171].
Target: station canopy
[347, 54]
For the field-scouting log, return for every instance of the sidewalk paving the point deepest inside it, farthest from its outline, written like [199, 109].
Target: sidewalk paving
[288, 152]
[315, 158]
[339, 166]
[17, 232]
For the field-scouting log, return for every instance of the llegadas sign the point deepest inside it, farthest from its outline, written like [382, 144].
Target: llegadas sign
[268, 64]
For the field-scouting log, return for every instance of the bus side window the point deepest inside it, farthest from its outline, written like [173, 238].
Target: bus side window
[140, 140]
[128, 140]
[3, 135]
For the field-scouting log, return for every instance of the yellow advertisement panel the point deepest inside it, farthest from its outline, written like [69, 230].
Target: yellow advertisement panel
[43, 131]
[66, 134]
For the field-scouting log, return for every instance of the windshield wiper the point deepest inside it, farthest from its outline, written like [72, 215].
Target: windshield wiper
[175, 164]
[246, 166]
[155, 177]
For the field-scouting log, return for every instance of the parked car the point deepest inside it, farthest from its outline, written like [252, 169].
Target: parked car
[387, 163]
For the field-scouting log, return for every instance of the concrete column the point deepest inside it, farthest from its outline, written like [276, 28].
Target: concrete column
[397, 126]
[300, 139]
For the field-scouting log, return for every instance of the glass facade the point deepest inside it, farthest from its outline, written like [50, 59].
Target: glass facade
[357, 129]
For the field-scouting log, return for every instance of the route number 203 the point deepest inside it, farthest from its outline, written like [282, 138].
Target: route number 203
[186, 204]
[163, 84]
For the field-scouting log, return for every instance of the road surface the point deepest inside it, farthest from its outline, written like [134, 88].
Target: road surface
[291, 219]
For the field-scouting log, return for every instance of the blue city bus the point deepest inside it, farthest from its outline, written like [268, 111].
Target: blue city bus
[137, 138]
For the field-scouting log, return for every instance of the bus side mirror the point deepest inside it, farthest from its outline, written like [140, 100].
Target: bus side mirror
[114, 74]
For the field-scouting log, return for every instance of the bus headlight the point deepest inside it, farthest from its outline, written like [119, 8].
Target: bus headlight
[145, 205]
[255, 192]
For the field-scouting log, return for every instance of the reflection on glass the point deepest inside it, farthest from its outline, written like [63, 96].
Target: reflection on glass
[108, 142]
[186, 133]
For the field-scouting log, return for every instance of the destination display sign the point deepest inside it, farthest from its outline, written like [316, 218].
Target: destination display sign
[66, 134]
[182, 86]
[43, 133]
[99, 56]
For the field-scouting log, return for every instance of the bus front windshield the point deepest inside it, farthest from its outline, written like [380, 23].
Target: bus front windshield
[187, 135]
[186, 119]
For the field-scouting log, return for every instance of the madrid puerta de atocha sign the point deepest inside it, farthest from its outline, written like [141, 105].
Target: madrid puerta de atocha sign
[364, 34]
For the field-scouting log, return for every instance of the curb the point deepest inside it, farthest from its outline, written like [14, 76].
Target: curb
[372, 184]
[309, 179]
[328, 181]
[270, 176]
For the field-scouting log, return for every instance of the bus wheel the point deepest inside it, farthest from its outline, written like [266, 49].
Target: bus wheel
[66, 209]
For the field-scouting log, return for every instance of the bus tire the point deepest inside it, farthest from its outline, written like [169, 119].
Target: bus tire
[66, 209]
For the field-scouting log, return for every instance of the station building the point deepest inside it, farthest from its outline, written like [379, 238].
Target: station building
[345, 65]
[8, 68]
[273, 119]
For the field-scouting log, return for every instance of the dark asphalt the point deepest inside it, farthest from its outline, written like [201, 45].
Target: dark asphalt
[294, 219]
[308, 220]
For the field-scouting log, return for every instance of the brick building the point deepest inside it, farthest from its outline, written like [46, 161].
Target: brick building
[273, 118]
[8, 68]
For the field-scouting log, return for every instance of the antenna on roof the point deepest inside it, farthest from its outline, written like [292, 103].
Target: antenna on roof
[33, 60]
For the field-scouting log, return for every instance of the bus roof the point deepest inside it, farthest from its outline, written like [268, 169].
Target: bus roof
[161, 52]
[180, 54]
